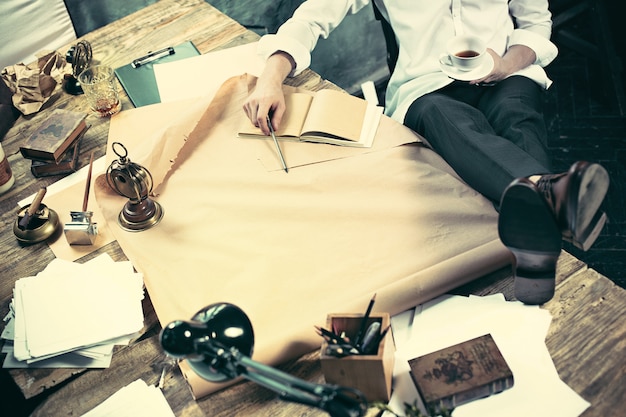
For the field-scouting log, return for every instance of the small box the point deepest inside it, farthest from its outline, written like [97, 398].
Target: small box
[370, 374]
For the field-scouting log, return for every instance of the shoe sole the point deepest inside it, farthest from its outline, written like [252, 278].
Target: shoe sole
[591, 184]
[527, 227]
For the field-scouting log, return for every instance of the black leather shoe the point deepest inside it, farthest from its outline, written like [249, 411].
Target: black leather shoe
[527, 227]
[575, 198]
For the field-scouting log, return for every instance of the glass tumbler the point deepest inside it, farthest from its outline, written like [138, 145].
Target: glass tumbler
[100, 87]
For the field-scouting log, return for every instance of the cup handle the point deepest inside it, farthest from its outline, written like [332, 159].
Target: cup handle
[445, 60]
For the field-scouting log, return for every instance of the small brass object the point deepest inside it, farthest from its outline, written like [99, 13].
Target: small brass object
[133, 181]
[36, 222]
[79, 56]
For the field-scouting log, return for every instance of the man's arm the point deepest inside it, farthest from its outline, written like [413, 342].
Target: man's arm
[267, 97]
[530, 42]
[288, 53]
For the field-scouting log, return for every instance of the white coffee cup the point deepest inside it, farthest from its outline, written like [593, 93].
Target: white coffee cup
[464, 52]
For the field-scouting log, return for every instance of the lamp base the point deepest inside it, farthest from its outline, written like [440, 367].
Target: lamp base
[136, 217]
[72, 86]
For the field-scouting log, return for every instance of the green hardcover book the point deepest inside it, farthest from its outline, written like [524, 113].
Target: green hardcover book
[461, 373]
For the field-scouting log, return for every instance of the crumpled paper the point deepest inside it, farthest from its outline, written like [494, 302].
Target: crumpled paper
[32, 85]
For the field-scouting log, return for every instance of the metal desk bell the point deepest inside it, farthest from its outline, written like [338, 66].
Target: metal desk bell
[133, 181]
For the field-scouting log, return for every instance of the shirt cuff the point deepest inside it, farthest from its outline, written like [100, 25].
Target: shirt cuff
[270, 44]
[544, 49]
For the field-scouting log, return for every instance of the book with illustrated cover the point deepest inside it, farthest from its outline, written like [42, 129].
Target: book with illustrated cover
[67, 164]
[54, 136]
[327, 116]
[461, 373]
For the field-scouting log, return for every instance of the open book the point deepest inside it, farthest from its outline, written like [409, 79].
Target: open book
[327, 116]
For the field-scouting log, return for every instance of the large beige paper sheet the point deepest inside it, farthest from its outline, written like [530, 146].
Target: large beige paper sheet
[291, 248]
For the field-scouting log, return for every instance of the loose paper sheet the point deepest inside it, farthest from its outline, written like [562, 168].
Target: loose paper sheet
[518, 330]
[136, 398]
[202, 76]
[44, 330]
[290, 248]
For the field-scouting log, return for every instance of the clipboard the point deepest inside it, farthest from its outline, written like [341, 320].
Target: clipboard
[137, 78]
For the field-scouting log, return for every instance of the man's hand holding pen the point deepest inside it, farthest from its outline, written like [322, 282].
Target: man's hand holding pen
[268, 99]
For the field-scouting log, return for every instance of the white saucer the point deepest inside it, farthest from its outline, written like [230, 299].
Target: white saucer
[478, 72]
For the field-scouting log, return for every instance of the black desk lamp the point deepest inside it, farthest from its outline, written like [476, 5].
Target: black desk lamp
[218, 343]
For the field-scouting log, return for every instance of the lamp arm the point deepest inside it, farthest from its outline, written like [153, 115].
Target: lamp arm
[218, 344]
[337, 401]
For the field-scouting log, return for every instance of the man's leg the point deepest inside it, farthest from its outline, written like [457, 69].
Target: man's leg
[495, 139]
[514, 109]
[464, 137]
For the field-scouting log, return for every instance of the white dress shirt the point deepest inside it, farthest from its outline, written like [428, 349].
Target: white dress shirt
[422, 28]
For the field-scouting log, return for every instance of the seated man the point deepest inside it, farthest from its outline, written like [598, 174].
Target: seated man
[490, 130]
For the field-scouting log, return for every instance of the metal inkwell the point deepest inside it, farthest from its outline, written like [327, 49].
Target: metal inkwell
[133, 181]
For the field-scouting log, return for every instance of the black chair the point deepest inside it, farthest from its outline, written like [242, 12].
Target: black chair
[90, 15]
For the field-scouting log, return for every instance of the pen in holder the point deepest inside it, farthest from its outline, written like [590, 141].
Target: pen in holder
[370, 373]
[36, 222]
[133, 181]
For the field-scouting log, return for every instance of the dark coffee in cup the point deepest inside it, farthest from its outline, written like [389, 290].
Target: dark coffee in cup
[464, 53]
[467, 54]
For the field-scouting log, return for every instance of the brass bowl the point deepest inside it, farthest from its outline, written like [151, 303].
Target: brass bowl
[43, 224]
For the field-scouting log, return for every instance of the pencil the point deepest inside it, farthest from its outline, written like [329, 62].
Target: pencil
[280, 152]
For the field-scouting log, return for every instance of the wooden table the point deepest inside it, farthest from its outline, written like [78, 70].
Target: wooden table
[585, 338]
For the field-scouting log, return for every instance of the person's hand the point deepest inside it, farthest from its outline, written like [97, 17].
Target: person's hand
[268, 99]
[499, 72]
[515, 58]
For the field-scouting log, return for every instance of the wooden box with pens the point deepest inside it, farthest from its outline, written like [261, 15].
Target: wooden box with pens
[358, 351]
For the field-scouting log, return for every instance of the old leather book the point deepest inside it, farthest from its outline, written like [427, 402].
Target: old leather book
[54, 136]
[66, 165]
[461, 373]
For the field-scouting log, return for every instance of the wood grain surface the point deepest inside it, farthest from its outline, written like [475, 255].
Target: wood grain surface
[586, 338]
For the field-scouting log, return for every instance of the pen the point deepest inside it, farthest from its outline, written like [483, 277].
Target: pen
[359, 336]
[331, 335]
[152, 56]
[280, 152]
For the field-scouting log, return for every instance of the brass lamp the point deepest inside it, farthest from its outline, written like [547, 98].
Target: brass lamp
[133, 181]
[79, 56]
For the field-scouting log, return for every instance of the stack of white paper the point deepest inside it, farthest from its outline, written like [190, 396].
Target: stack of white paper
[72, 315]
[135, 399]
[518, 330]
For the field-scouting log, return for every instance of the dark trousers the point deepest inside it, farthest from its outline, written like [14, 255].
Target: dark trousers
[489, 135]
